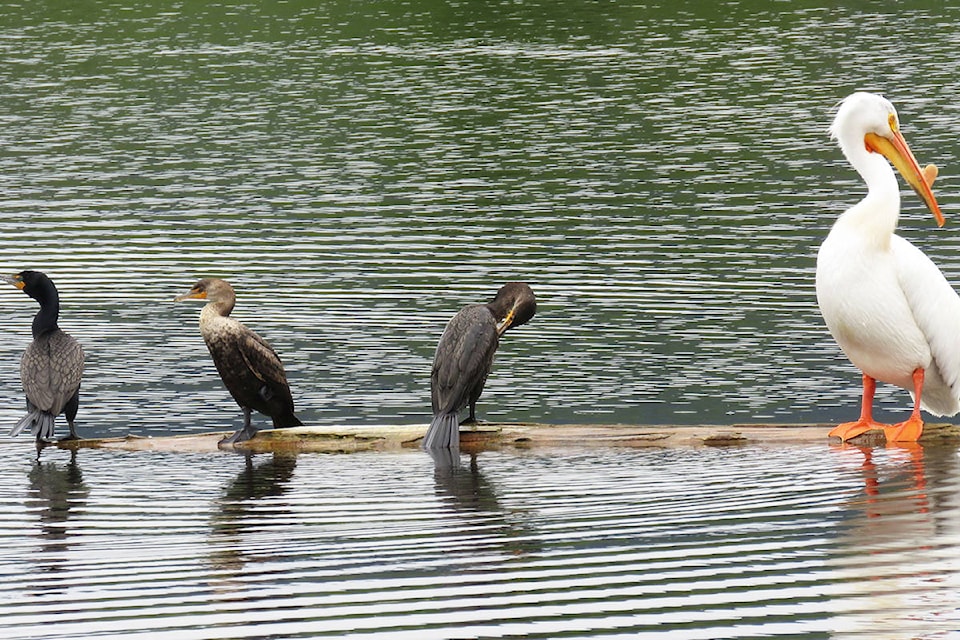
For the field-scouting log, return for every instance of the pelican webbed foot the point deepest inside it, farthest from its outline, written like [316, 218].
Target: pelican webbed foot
[849, 430]
[909, 430]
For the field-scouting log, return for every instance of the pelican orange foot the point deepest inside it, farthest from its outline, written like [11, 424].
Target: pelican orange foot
[849, 430]
[910, 429]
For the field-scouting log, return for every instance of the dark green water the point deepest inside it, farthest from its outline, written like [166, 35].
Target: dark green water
[359, 171]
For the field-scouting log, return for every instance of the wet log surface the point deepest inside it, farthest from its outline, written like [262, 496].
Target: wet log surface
[346, 439]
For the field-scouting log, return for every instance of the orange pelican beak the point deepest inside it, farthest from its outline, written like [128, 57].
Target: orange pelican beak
[896, 150]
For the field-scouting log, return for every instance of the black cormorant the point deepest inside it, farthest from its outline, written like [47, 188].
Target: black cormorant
[465, 355]
[249, 367]
[52, 366]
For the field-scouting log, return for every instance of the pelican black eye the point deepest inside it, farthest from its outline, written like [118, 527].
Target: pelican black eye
[892, 120]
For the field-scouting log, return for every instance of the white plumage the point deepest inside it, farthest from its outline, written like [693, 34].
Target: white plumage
[887, 305]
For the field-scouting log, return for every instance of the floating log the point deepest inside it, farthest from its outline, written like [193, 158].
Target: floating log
[346, 439]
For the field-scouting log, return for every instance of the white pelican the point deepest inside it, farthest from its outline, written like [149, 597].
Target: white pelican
[887, 305]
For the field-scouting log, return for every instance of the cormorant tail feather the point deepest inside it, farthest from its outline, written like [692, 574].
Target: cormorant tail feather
[444, 432]
[40, 422]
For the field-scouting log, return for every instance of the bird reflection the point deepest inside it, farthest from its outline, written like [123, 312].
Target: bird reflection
[910, 464]
[467, 486]
[896, 539]
[57, 491]
[236, 515]
[467, 491]
[267, 479]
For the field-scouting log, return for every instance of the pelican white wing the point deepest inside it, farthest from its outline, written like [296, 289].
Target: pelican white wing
[936, 311]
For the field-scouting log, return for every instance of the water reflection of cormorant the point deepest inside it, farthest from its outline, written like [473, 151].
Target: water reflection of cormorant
[256, 482]
[51, 366]
[468, 492]
[56, 492]
[265, 480]
[468, 486]
[249, 367]
[464, 357]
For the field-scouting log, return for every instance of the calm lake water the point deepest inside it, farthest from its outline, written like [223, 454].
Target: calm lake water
[661, 175]
[799, 542]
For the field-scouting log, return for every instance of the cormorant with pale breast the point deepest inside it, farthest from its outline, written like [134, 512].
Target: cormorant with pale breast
[249, 367]
[464, 357]
[51, 366]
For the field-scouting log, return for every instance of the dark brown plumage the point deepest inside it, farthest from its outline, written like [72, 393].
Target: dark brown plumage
[51, 366]
[249, 367]
[464, 358]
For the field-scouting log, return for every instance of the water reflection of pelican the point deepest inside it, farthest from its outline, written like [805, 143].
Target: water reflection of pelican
[912, 466]
[57, 491]
[897, 563]
[256, 482]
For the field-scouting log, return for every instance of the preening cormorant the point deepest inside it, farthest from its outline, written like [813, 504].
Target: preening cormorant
[52, 365]
[465, 355]
[249, 367]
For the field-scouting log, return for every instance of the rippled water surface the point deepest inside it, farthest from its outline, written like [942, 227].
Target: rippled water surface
[359, 171]
[661, 175]
[695, 543]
